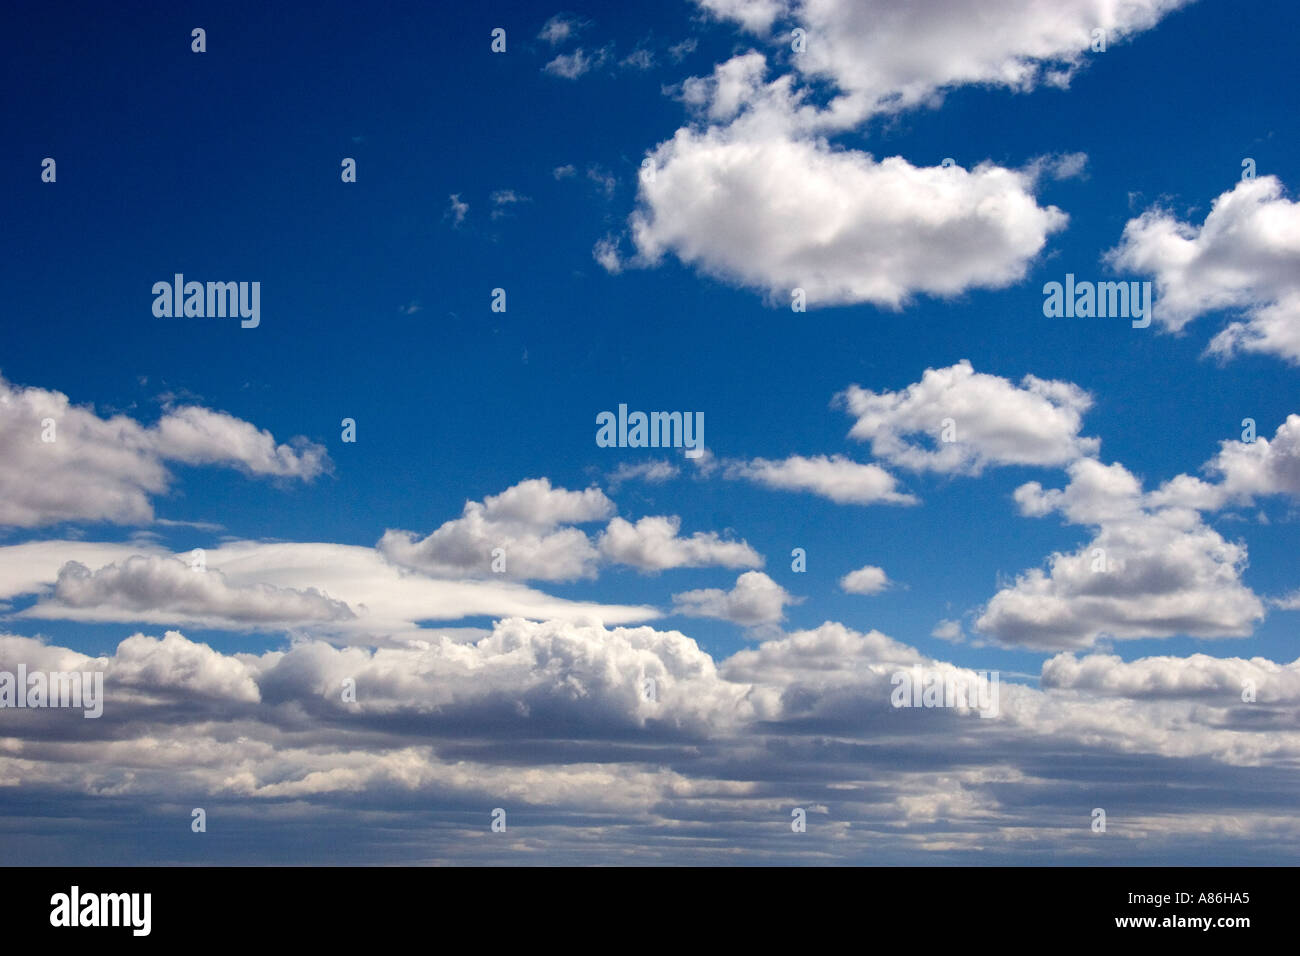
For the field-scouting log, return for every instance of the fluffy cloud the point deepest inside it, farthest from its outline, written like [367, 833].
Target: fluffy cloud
[885, 56]
[164, 590]
[1243, 471]
[866, 580]
[837, 478]
[1148, 572]
[1199, 676]
[636, 738]
[994, 421]
[773, 212]
[582, 675]
[756, 599]
[390, 603]
[108, 469]
[1244, 258]
[524, 521]
[652, 544]
[757, 195]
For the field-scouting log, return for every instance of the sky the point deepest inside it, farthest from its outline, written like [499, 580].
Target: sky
[363, 573]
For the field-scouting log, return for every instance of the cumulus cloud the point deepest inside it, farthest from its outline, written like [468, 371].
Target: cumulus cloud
[581, 674]
[1148, 572]
[950, 631]
[179, 665]
[835, 477]
[972, 420]
[1241, 472]
[109, 469]
[756, 194]
[652, 544]
[390, 603]
[756, 599]
[1199, 676]
[865, 580]
[1244, 258]
[639, 736]
[524, 521]
[775, 213]
[885, 57]
[165, 590]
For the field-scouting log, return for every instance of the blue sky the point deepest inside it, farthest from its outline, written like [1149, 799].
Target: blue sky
[376, 306]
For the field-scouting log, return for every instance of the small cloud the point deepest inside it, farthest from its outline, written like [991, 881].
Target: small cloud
[570, 66]
[1059, 166]
[654, 472]
[606, 253]
[560, 28]
[567, 171]
[679, 51]
[502, 199]
[755, 600]
[868, 580]
[640, 59]
[1289, 602]
[949, 631]
[603, 179]
[457, 210]
[410, 308]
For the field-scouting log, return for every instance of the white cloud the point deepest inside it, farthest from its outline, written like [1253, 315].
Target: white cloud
[503, 199]
[570, 66]
[390, 603]
[774, 213]
[1244, 258]
[605, 252]
[523, 671]
[950, 631]
[179, 665]
[560, 28]
[652, 544]
[837, 478]
[524, 521]
[636, 738]
[1198, 677]
[762, 199]
[753, 15]
[885, 56]
[1288, 602]
[993, 421]
[1148, 572]
[755, 599]
[866, 580]
[654, 472]
[158, 589]
[639, 59]
[457, 209]
[108, 469]
[1244, 471]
